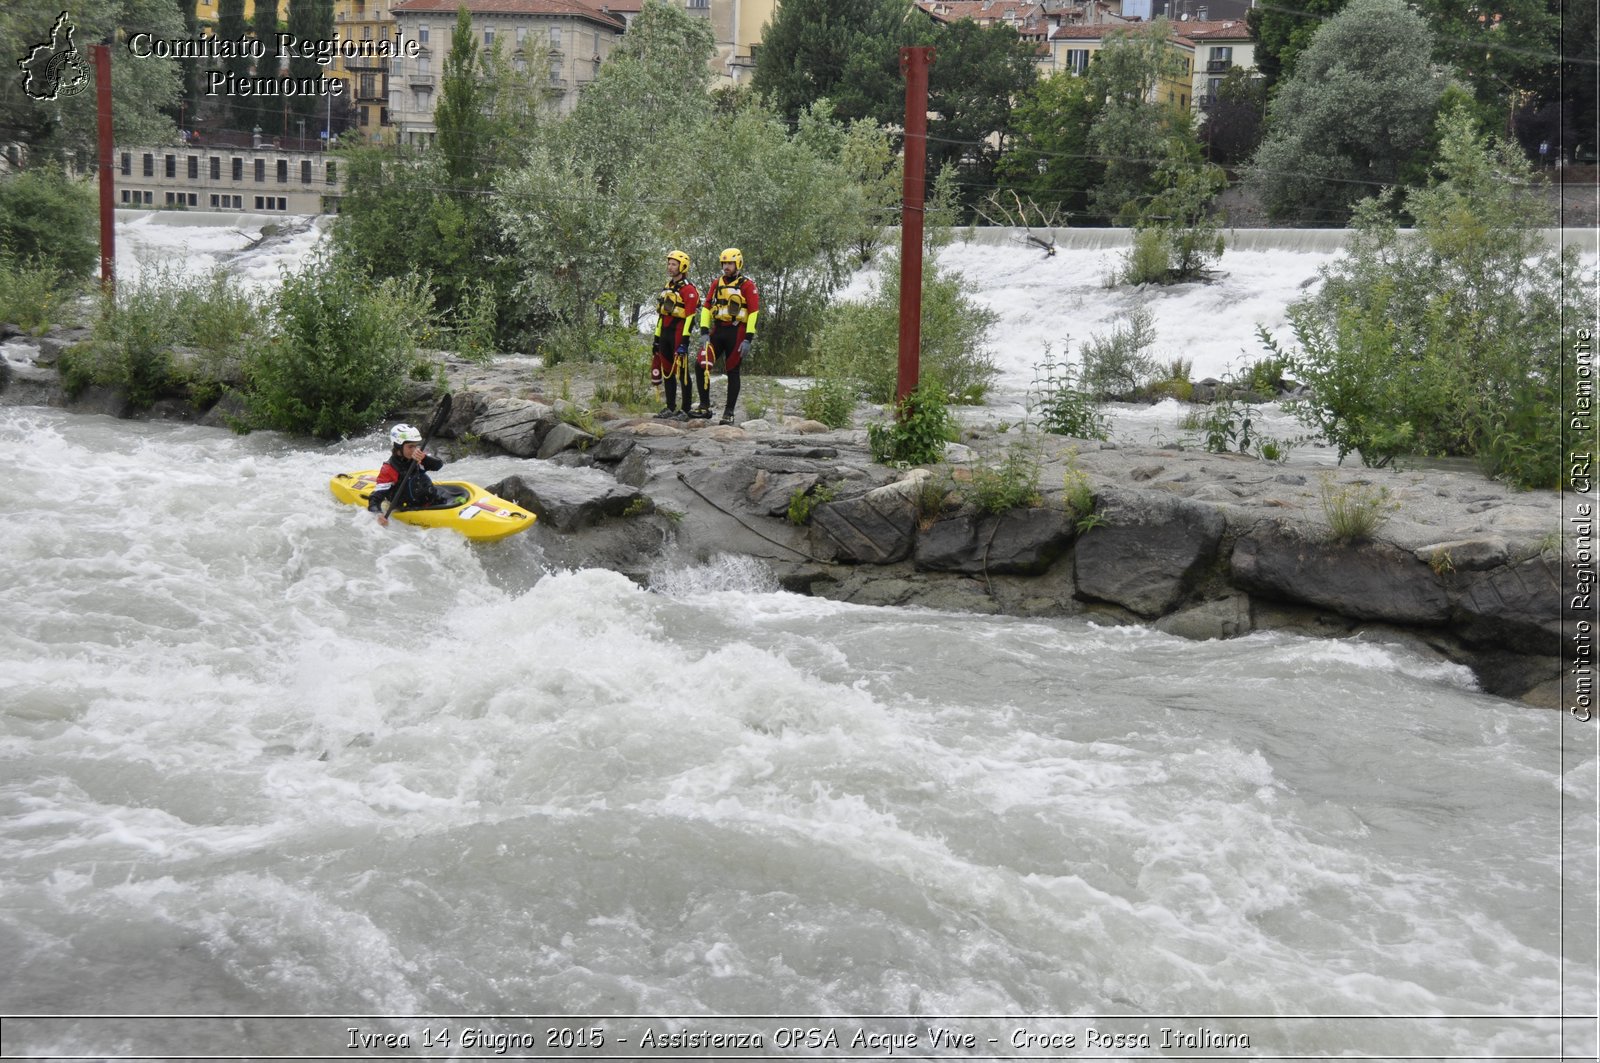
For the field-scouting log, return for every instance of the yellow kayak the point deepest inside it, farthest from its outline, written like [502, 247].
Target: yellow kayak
[477, 514]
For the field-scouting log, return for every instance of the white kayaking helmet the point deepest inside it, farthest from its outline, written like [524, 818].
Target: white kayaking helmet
[401, 434]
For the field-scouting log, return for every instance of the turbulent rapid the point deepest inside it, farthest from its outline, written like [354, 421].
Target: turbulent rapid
[259, 756]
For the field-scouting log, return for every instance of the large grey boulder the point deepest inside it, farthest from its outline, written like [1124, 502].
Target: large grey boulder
[1147, 551]
[569, 499]
[1019, 542]
[1367, 581]
[562, 437]
[514, 425]
[878, 527]
[1513, 607]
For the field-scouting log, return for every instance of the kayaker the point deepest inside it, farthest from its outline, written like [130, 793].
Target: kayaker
[408, 465]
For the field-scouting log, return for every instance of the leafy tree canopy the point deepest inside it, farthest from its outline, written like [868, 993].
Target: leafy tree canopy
[143, 91]
[1357, 110]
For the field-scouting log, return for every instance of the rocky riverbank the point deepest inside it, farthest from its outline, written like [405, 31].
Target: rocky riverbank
[1197, 544]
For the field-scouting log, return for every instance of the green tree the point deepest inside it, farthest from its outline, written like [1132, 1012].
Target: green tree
[1131, 129]
[49, 220]
[1450, 341]
[595, 201]
[846, 51]
[1357, 110]
[267, 111]
[1282, 32]
[1048, 158]
[309, 20]
[977, 73]
[145, 92]
[1235, 119]
[463, 144]
[231, 26]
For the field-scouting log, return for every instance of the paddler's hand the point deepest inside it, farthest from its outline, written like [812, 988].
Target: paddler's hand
[383, 520]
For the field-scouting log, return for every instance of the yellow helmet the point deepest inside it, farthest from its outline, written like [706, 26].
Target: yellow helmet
[734, 255]
[681, 259]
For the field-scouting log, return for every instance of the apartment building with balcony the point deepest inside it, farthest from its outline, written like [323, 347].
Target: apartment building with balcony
[559, 43]
[252, 180]
[366, 78]
[1206, 51]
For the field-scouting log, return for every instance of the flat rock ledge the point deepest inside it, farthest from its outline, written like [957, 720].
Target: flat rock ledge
[1198, 545]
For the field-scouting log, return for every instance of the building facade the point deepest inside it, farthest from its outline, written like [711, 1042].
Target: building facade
[736, 27]
[253, 180]
[559, 44]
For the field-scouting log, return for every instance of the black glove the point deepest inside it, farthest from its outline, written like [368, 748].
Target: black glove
[744, 347]
[683, 348]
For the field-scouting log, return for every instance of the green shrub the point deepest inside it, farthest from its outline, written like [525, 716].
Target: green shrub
[1012, 484]
[801, 503]
[49, 220]
[472, 322]
[340, 350]
[1454, 340]
[1117, 364]
[918, 433]
[830, 400]
[860, 341]
[33, 295]
[1061, 406]
[624, 361]
[1145, 261]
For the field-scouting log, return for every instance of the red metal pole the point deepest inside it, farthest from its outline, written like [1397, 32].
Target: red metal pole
[108, 215]
[914, 63]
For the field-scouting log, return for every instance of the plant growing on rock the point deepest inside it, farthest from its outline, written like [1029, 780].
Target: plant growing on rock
[1013, 484]
[918, 433]
[1061, 404]
[1355, 511]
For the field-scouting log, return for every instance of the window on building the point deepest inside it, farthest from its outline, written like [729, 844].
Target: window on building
[700, 3]
[369, 86]
[424, 67]
[1220, 60]
[124, 195]
[261, 171]
[194, 167]
[149, 165]
[521, 64]
[214, 201]
[522, 34]
[305, 171]
[488, 37]
[333, 173]
[238, 168]
[258, 202]
[172, 165]
[216, 167]
[1077, 60]
[366, 33]
[127, 165]
[169, 199]
[383, 116]
[149, 198]
[194, 199]
[283, 171]
[422, 33]
[555, 71]
[555, 38]
[361, 117]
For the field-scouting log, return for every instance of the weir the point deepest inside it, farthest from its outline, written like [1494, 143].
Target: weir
[1310, 241]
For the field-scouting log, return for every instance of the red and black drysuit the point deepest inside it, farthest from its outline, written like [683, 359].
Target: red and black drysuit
[670, 363]
[418, 492]
[728, 320]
